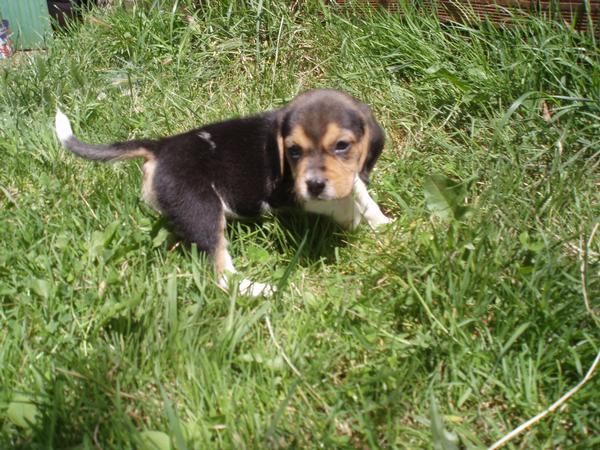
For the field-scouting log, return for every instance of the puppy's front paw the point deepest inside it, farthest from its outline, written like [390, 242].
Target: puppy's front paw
[379, 220]
[254, 289]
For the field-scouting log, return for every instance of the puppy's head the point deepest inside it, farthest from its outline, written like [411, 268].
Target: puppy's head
[328, 138]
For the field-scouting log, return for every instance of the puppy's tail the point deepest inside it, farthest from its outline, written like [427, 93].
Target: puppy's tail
[99, 152]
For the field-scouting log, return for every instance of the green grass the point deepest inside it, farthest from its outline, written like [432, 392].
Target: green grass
[109, 327]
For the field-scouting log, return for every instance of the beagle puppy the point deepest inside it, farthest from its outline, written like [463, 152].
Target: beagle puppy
[316, 153]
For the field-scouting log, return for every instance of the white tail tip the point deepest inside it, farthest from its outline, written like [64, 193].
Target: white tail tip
[63, 127]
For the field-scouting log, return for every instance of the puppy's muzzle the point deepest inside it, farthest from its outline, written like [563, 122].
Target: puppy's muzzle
[315, 186]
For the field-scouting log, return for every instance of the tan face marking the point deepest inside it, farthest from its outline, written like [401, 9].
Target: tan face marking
[321, 161]
[298, 137]
[333, 134]
[340, 175]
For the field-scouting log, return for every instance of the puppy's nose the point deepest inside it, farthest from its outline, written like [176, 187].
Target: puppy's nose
[315, 186]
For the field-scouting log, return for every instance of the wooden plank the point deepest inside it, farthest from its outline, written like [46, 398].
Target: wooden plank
[500, 11]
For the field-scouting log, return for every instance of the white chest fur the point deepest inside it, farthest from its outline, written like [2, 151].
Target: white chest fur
[349, 211]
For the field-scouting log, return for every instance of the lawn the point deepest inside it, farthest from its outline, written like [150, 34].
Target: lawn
[469, 309]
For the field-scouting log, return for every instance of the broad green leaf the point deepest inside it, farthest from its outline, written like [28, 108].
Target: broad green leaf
[528, 244]
[442, 439]
[439, 72]
[256, 253]
[444, 197]
[22, 411]
[154, 440]
[174, 423]
[102, 239]
[41, 287]
[160, 237]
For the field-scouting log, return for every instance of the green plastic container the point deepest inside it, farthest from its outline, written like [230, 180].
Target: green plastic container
[29, 22]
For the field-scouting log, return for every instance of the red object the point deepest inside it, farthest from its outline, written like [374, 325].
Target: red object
[6, 45]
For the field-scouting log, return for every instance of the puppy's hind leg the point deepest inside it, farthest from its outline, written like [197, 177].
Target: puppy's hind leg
[198, 215]
[224, 269]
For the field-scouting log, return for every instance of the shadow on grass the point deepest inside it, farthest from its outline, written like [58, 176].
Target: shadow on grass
[80, 405]
[309, 237]
[315, 237]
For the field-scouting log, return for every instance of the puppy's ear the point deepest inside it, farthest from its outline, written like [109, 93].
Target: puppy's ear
[374, 145]
[280, 120]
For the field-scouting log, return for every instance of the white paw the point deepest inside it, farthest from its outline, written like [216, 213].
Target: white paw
[379, 220]
[245, 286]
[254, 289]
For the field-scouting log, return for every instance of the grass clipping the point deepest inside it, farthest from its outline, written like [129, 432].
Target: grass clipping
[561, 401]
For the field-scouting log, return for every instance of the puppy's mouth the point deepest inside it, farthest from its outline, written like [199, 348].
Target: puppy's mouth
[321, 197]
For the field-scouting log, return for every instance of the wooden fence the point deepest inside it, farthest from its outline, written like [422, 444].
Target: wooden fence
[581, 14]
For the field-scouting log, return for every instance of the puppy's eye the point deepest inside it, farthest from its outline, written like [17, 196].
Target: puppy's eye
[341, 147]
[294, 152]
